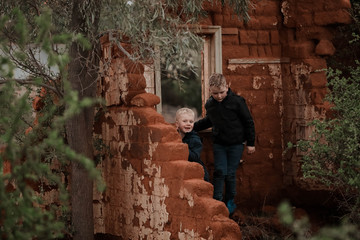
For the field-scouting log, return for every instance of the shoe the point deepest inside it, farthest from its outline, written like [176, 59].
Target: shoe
[231, 206]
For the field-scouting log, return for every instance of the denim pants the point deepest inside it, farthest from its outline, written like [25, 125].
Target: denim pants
[226, 162]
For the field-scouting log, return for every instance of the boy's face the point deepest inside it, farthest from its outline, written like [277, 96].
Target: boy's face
[219, 93]
[185, 123]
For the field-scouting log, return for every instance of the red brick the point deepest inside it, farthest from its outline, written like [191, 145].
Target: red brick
[254, 51]
[317, 96]
[267, 140]
[332, 17]
[305, 7]
[232, 21]
[170, 152]
[316, 63]
[206, 20]
[199, 187]
[313, 32]
[202, 227]
[214, 6]
[230, 52]
[272, 124]
[145, 100]
[300, 50]
[263, 37]
[163, 133]
[261, 51]
[178, 206]
[259, 70]
[263, 23]
[182, 169]
[325, 47]
[174, 183]
[248, 36]
[136, 150]
[335, 5]
[131, 67]
[136, 164]
[230, 40]
[267, 8]
[265, 112]
[194, 170]
[236, 22]
[303, 20]
[276, 51]
[218, 19]
[225, 228]
[235, 69]
[136, 82]
[274, 37]
[318, 79]
[127, 96]
[146, 115]
[230, 31]
[256, 98]
[208, 207]
[237, 82]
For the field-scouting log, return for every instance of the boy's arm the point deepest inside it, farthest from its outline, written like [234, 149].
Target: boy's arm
[202, 124]
[248, 122]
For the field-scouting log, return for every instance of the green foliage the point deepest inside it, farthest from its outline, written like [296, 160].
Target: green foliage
[346, 41]
[23, 213]
[34, 194]
[169, 26]
[332, 152]
[165, 30]
[300, 228]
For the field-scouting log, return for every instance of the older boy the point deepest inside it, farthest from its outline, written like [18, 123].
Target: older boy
[184, 122]
[232, 126]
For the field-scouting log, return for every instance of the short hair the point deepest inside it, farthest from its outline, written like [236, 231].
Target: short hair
[182, 111]
[217, 80]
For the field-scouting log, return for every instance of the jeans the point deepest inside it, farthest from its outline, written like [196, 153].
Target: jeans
[226, 162]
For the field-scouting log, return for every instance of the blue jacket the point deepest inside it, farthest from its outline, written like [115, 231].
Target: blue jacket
[194, 143]
[193, 140]
[230, 120]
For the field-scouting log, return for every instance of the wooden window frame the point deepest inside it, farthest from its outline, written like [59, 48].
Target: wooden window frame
[211, 61]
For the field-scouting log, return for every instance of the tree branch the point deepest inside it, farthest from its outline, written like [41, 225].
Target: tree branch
[31, 82]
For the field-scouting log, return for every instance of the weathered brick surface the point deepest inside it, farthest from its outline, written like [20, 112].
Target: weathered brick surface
[153, 191]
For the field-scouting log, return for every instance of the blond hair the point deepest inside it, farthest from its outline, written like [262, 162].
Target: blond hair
[217, 80]
[182, 111]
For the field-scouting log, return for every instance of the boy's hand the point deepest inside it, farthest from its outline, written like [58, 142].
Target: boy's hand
[250, 149]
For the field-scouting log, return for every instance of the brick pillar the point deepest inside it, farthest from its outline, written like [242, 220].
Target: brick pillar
[153, 192]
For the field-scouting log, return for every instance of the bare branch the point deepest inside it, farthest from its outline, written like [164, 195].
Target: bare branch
[32, 82]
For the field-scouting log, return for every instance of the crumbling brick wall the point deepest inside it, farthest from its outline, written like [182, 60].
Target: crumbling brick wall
[276, 62]
[306, 35]
[153, 191]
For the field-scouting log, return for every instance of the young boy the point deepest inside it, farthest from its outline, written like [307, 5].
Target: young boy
[232, 126]
[184, 122]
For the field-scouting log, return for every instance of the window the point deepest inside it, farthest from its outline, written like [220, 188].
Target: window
[210, 60]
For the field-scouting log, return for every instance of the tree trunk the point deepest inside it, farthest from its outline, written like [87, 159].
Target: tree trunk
[83, 69]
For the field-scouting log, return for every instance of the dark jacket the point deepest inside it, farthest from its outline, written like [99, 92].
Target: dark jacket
[194, 143]
[193, 140]
[230, 120]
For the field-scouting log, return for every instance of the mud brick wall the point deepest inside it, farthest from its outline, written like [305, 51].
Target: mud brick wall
[153, 191]
[277, 61]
